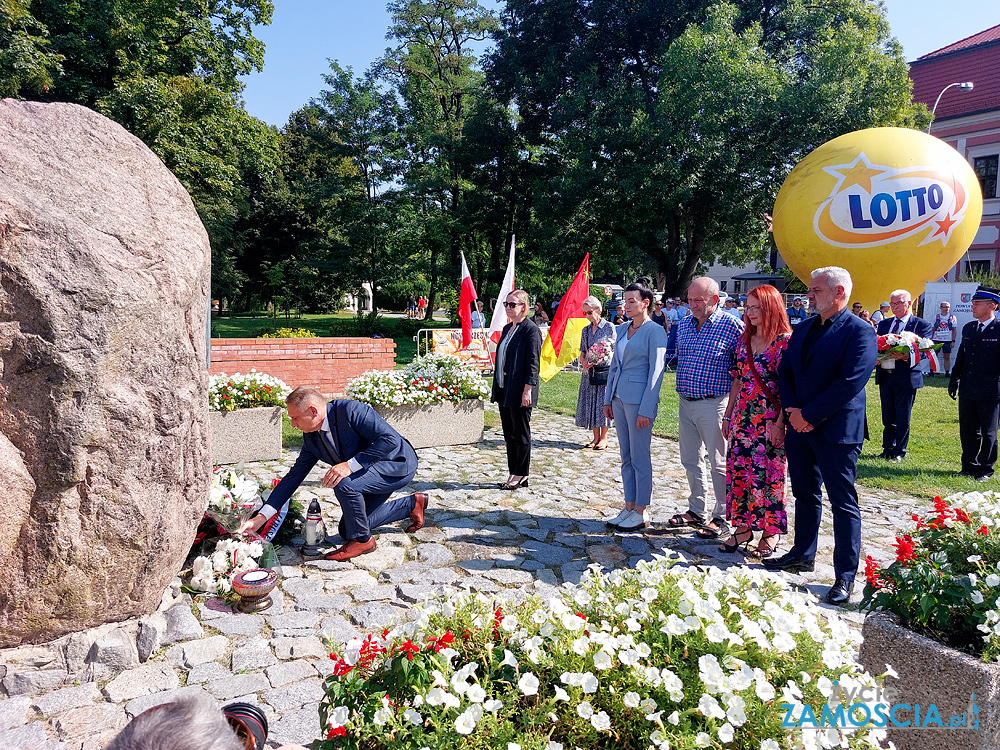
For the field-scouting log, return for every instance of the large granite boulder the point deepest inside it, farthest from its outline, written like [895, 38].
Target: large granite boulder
[104, 279]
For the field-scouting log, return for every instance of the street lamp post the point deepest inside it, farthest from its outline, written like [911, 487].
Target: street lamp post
[966, 86]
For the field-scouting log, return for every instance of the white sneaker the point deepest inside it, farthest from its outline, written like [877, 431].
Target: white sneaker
[636, 520]
[619, 518]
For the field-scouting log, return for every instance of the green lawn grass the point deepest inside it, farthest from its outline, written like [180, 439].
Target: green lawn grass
[400, 330]
[932, 460]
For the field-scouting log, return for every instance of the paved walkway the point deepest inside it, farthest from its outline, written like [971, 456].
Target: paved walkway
[476, 537]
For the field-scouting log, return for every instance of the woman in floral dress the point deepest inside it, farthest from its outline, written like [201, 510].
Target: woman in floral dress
[755, 427]
[590, 401]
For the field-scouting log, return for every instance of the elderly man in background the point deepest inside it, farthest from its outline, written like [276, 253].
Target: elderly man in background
[706, 353]
[897, 381]
[821, 381]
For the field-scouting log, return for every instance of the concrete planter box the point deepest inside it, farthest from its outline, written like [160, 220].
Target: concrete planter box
[930, 672]
[245, 434]
[431, 425]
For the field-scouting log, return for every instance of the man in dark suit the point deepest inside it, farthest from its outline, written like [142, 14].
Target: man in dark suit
[368, 460]
[897, 381]
[821, 380]
[975, 378]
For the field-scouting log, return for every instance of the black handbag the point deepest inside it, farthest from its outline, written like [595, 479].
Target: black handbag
[599, 375]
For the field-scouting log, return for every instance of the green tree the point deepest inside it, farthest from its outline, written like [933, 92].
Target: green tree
[27, 62]
[169, 72]
[438, 80]
[668, 126]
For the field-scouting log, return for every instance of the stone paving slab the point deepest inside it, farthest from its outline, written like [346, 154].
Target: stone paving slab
[477, 537]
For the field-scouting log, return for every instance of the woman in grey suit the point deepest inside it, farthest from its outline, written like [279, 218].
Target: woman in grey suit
[632, 398]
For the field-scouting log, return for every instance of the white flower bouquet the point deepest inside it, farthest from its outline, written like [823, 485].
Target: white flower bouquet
[905, 342]
[656, 657]
[232, 498]
[426, 380]
[228, 393]
[214, 573]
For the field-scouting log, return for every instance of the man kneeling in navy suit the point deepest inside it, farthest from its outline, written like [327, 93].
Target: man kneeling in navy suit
[368, 460]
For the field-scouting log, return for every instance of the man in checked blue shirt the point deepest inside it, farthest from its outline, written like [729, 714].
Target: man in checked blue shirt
[706, 354]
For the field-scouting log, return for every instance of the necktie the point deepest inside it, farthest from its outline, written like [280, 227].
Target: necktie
[328, 436]
[895, 326]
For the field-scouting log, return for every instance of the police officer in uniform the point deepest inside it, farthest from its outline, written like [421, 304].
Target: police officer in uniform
[977, 371]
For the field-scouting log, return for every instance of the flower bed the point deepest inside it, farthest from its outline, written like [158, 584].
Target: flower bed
[657, 657]
[245, 417]
[944, 584]
[229, 393]
[945, 580]
[426, 380]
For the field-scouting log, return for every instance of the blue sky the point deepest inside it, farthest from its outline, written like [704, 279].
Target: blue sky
[305, 33]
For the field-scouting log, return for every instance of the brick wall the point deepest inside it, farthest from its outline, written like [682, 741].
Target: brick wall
[324, 363]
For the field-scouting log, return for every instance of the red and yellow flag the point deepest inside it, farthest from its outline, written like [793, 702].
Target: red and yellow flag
[562, 345]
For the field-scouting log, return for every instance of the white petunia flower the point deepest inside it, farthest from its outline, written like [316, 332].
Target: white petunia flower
[561, 695]
[702, 740]
[528, 684]
[589, 683]
[413, 717]
[602, 660]
[600, 721]
[631, 699]
[726, 732]
[464, 723]
[674, 718]
[492, 705]
[585, 710]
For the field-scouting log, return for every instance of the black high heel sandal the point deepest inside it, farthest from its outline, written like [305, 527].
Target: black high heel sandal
[735, 542]
[522, 482]
[765, 548]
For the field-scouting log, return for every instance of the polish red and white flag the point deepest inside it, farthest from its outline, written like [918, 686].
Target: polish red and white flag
[465, 300]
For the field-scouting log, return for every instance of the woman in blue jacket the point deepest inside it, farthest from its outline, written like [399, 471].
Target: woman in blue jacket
[631, 400]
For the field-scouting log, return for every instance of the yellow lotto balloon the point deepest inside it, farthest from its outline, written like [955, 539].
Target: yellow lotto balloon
[895, 207]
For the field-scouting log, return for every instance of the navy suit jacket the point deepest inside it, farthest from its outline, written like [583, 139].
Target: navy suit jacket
[359, 433]
[903, 374]
[828, 384]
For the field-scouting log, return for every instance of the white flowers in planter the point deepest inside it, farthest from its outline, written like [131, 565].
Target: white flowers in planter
[426, 380]
[657, 657]
[231, 392]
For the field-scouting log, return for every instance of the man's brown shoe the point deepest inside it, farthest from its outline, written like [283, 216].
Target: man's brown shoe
[420, 501]
[352, 549]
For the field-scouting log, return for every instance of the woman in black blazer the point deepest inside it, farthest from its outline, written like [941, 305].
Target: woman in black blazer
[515, 385]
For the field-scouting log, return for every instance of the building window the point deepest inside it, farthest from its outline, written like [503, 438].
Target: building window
[977, 267]
[722, 285]
[986, 171]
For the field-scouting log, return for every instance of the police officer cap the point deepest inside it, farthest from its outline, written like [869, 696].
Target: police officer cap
[987, 293]
[884, 304]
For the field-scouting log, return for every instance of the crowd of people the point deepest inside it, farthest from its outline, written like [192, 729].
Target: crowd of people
[771, 391]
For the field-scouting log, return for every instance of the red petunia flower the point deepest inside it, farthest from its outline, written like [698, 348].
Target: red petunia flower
[983, 530]
[961, 515]
[336, 732]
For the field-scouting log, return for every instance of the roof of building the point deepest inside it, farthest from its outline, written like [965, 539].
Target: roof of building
[991, 34]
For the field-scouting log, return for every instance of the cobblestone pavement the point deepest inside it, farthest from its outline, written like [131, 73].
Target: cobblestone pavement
[477, 537]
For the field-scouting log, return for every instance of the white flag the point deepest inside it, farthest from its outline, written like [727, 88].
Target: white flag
[500, 318]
